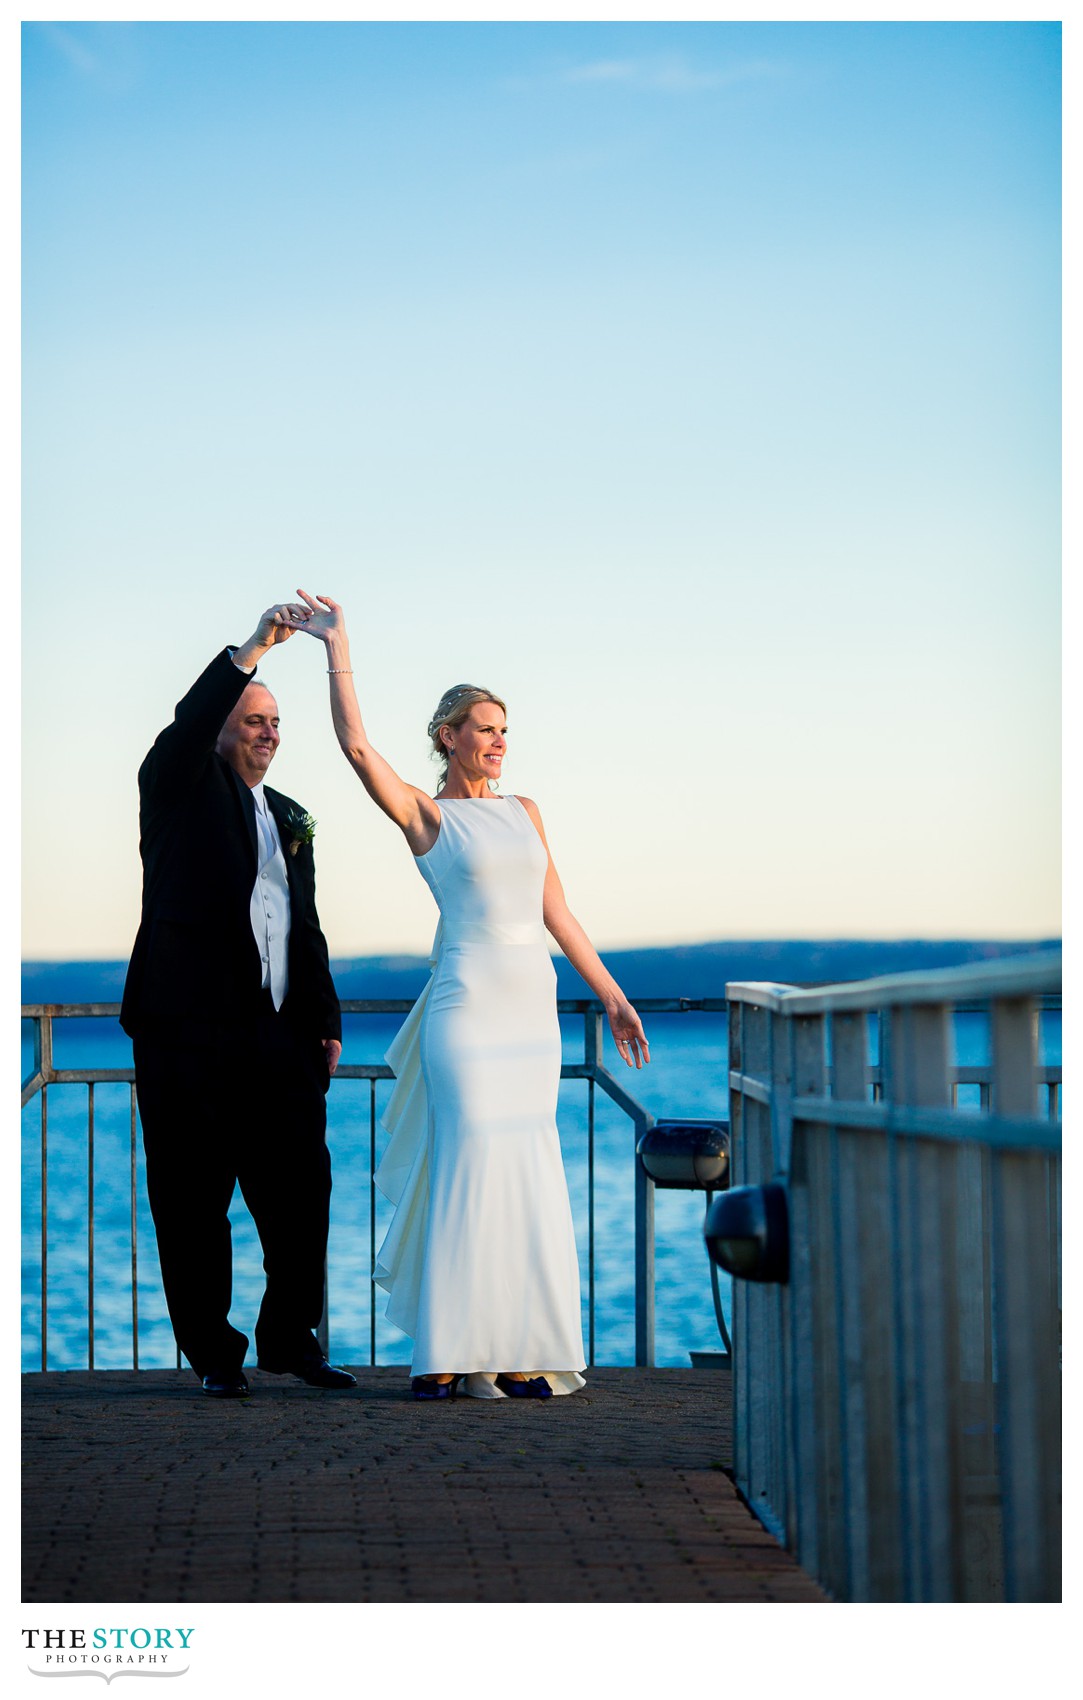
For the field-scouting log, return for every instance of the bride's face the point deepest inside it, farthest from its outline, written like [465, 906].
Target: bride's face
[480, 743]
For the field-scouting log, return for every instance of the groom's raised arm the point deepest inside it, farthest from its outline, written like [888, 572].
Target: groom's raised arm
[181, 749]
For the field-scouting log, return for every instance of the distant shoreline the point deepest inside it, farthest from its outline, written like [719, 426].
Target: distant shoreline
[685, 970]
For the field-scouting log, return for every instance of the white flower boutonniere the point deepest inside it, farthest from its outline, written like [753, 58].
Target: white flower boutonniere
[301, 828]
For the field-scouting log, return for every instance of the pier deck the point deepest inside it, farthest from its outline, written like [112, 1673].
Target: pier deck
[138, 1488]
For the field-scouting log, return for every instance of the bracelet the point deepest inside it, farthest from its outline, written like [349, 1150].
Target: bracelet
[340, 669]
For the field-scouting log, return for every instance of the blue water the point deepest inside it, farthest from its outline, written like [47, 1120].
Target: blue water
[687, 1077]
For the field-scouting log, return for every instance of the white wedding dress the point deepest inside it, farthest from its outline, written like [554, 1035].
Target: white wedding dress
[479, 1261]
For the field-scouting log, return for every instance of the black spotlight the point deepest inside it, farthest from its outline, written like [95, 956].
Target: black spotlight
[687, 1154]
[748, 1233]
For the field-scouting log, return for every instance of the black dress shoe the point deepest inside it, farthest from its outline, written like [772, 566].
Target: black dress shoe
[536, 1388]
[318, 1373]
[225, 1384]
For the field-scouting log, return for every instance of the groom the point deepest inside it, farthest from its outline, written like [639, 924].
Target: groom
[235, 1024]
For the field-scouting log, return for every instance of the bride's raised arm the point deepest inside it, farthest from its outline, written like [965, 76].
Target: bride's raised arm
[410, 808]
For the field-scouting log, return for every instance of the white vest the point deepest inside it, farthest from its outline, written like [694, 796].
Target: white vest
[270, 906]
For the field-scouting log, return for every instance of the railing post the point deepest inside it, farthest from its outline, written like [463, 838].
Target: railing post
[865, 1293]
[928, 1389]
[644, 1206]
[135, 1257]
[644, 1244]
[761, 1377]
[372, 1222]
[43, 1057]
[90, 1225]
[1027, 1322]
[45, 1227]
[735, 1027]
[590, 1222]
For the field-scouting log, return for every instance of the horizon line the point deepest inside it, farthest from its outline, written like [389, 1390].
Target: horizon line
[743, 940]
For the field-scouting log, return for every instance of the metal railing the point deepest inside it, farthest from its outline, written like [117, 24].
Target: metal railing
[897, 1400]
[44, 1073]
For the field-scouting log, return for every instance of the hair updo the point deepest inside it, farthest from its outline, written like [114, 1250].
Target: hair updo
[453, 710]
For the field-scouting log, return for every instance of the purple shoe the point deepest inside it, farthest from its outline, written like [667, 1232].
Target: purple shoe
[422, 1388]
[536, 1388]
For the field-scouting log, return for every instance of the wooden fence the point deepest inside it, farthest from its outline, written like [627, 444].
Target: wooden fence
[897, 1399]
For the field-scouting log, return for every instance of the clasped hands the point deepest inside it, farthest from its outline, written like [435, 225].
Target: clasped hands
[318, 616]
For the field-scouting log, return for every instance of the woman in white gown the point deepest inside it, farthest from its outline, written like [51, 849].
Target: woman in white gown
[479, 1261]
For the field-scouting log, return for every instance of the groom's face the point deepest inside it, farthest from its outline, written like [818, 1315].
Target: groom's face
[250, 736]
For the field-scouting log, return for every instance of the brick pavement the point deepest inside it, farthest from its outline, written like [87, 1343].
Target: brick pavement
[138, 1488]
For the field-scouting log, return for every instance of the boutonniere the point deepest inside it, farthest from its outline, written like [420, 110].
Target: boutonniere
[301, 828]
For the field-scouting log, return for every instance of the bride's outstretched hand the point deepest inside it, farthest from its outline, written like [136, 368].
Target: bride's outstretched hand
[628, 1032]
[325, 619]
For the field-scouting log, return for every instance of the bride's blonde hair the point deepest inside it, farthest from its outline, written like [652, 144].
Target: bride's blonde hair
[453, 710]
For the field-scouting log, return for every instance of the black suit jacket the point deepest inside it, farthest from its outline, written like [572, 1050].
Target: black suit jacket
[195, 958]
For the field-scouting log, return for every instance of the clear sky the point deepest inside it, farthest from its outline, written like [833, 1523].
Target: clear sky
[694, 386]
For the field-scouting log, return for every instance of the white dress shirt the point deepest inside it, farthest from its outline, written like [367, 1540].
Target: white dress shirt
[270, 906]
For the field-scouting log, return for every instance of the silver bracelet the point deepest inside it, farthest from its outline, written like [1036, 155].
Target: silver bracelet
[340, 669]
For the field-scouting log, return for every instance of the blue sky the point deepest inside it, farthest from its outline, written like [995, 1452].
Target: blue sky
[696, 386]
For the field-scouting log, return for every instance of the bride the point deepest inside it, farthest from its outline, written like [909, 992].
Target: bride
[479, 1260]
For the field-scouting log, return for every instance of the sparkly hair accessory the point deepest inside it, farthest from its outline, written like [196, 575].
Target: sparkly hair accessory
[446, 707]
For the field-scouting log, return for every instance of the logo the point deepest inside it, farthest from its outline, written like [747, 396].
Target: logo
[108, 1653]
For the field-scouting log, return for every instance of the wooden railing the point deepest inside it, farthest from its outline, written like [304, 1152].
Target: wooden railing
[897, 1398]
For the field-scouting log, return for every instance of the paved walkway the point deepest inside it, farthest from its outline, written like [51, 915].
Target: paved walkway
[138, 1488]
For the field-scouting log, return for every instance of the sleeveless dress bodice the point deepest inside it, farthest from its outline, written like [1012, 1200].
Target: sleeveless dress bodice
[487, 873]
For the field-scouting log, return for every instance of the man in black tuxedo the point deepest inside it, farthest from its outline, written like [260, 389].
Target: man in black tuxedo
[235, 1024]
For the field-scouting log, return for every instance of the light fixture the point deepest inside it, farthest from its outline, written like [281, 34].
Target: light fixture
[690, 1154]
[748, 1234]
